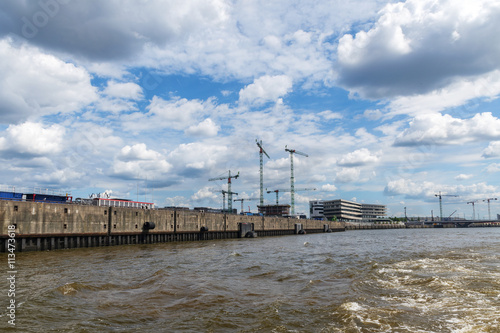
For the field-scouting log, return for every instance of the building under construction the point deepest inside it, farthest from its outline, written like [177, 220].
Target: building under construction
[274, 210]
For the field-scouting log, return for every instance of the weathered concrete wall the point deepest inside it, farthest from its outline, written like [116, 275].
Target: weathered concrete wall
[40, 226]
[36, 219]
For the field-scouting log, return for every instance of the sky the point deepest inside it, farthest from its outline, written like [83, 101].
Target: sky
[392, 101]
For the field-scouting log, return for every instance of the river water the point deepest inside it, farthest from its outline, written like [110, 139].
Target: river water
[401, 280]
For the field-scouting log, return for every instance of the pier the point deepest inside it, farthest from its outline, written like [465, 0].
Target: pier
[38, 226]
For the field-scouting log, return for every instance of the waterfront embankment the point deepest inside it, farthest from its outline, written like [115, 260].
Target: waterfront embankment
[40, 226]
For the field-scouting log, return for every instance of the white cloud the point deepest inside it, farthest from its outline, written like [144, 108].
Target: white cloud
[428, 189]
[330, 115]
[192, 158]
[203, 194]
[419, 46]
[437, 129]
[493, 167]
[137, 152]
[35, 84]
[32, 139]
[65, 176]
[124, 90]
[493, 150]
[137, 162]
[266, 89]
[348, 175]
[463, 177]
[458, 93]
[328, 188]
[358, 157]
[175, 113]
[206, 128]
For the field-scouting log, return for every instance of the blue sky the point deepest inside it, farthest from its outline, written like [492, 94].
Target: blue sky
[393, 101]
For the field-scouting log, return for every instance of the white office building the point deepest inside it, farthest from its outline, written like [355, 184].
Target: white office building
[345, 210]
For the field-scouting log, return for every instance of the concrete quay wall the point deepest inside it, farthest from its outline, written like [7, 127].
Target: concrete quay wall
[48, 226]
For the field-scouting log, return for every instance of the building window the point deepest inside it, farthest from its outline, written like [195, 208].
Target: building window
[65, 226]
[65, 210]
[105, 212]
[16, 208]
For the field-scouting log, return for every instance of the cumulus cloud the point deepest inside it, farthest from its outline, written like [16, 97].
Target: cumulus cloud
[94, 29]
[60, 177]
[493, 167]
[137, 152]
[36, 84]
[125, 90]
[463, 177]
[266, 89]
[428, 189]
[357, 158]
[419, 46]
[204, 193]
[137, 162]
[206, 128]
[328, 188]
[493, 150]
[175, 113]
[348, 175]
[437, 129]
[193, 159]
[32, 140]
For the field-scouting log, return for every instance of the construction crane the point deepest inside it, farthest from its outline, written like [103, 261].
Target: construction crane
[283, 190]
[230, 194]
[473, 209]
[440, 202]
[261, 152]
[489, 212]
[292, 180]
[243, 200]
[224, 200]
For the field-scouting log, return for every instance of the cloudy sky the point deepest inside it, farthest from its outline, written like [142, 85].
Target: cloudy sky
[392, 101]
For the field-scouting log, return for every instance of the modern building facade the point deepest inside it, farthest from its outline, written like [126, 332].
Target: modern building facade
[372, 212]
[345, 210]
[316, 210]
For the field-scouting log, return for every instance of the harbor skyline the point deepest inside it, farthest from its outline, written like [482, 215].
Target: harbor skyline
[393, 102]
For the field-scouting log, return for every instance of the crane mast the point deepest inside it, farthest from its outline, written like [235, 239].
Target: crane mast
[473, 209]
[292, 179]
[261, 152]
[243, 200]
[441, 203]
[489, 212]
[229, 193]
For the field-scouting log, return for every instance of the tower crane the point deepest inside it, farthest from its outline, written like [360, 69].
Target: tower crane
[261, 152]
[230, 194]
[292, 180]
[286, 190]
[243, 200]
[473, 209]
[224, 200]
[489, 212]
[440, 202]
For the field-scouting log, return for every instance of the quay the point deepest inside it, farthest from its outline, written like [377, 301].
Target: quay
[40, 226]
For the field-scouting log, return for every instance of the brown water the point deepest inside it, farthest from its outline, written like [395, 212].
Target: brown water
[414, 280]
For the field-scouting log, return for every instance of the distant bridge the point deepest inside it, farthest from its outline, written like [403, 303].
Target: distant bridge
[458, 223]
